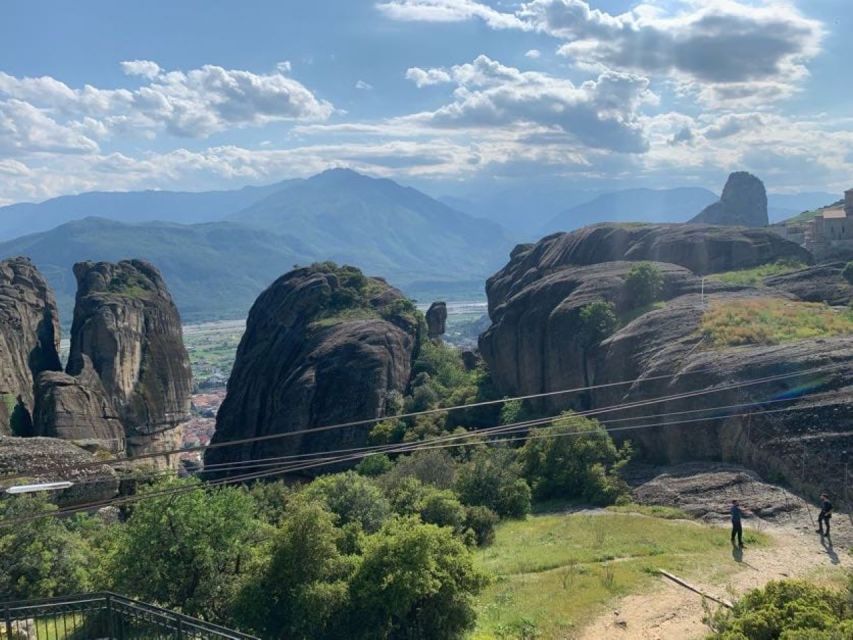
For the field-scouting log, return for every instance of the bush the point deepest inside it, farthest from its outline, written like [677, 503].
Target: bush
[374, 465]
[785, 610]
[353, 498]
[643, 285]
[433, 467]
[493, 479]
[574, 458]
[481, 521]
[597, 322]
[415, 582]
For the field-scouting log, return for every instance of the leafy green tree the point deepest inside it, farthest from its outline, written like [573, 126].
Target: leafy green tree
[597, 321]
[493, 479]
[375, 465]
[188, 550]
[410, 496]
[575, 457]
[353, 498]
[302, 591]
[434, 467]
[786, 610]
[481, 521]
[643, 284]
[415, 582]
[40, 558]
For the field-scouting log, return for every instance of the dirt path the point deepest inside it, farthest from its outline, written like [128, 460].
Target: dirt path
[671, 611]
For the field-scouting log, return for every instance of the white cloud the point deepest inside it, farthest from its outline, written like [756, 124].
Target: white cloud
[533, 54]
[427, 77]
[449, 11]
[195, 103]
[144, 68]
[363, 86]
[600, 113]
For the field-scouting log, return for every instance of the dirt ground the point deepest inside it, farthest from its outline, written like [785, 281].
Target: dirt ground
[672, 612]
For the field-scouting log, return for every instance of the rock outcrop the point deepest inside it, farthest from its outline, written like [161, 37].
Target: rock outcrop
[323, 345]
[436, 319]
[535, 345]
[821, 283]
[128, 327]
[743, 203]
[29, 341]
[49, 460]
[78, 409]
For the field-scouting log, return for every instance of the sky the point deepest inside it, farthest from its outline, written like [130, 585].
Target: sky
[453, 96]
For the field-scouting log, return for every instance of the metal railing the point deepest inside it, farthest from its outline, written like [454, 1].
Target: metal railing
[103, 616]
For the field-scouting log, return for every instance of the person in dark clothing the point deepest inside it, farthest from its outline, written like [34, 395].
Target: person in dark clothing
[825, 515]
[737, 527]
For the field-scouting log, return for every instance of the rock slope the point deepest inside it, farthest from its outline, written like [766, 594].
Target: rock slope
[29, 341]
[743, 203]
[323, 345]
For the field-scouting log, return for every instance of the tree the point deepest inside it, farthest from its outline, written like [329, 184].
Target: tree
[415, 582]
[187, 550]
[597, 322]
[301, 592]
[493, 479]
[353, 498]
[643, 284]
[575, 457]
[40, 558]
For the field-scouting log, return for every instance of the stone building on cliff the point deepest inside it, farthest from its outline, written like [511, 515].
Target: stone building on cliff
[831, 231]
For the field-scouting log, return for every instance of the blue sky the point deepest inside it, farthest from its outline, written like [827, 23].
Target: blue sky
[449, 95]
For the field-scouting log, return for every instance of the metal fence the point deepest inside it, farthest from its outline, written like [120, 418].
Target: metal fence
[103, 616]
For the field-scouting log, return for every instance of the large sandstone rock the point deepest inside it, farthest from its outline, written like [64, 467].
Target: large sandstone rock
[323, 345]
[821, 283]
[436, 319]
[77, 408]
[51, 460]
[29, 341]
[699, 248]
[743, 203]
[126, 323]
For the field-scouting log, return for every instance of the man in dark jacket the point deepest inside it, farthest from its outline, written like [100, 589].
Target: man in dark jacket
[825, 515]
[737, 527]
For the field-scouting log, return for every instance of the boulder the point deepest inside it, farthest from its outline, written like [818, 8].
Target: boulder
[702, 249]
[29, 341]
[52, 460]
[323, 345]
[743, 203]
[127, 325]
[77, 408]
[436, 319]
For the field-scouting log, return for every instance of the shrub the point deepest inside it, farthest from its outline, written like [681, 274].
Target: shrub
[493, 479]
[785, 610]
[574, 458]
[351, 497]
[433, 467]
[597, 322]
[481, 521]
[375, 465]
[643, 284]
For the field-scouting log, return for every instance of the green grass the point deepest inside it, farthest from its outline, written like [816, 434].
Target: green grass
[553, 573]
[772, 321]
[654, 511]
[756, 275]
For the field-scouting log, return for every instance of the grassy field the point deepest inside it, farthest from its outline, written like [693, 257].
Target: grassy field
[212, 347]
[772, 321]
[755, 276]
[554, 572]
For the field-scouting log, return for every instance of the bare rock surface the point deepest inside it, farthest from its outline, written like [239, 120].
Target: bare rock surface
[821, 283]
[323, 345]
[436, 319]
[29, 341]
[743, 203]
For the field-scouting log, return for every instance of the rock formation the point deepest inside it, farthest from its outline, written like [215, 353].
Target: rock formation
[743, 203]
[821, 283]
[323, 345]
[29, 341]
[49, 460]
[127, 326]
[436, 319]
[535, 345]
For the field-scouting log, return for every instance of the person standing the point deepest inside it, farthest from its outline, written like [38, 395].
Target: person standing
[737, 526]
[824, 515]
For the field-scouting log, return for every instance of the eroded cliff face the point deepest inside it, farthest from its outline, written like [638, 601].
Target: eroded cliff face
[743, 203]
[534, 345]
[323, 345]
[29, 341]
[127, 326]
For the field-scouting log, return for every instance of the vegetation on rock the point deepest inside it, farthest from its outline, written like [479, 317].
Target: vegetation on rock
[643, 284]
[755, 276]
